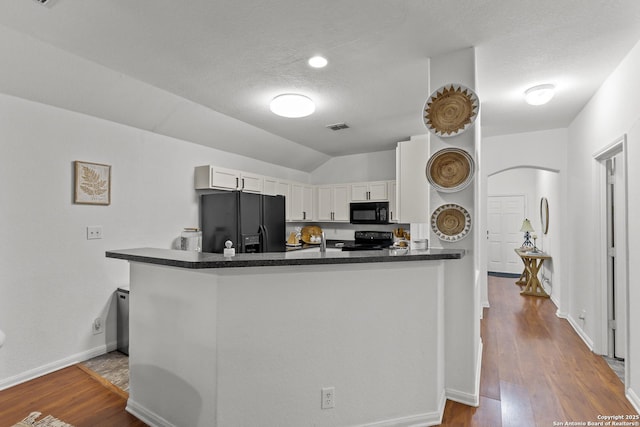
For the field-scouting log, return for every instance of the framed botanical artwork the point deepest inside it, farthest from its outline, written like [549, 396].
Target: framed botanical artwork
[92, 183]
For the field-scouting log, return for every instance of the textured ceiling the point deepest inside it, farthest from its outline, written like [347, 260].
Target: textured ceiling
[205, 71]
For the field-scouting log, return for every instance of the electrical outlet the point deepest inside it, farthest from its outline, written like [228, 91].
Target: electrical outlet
[328, 398]
[98, 326]
[94, 232]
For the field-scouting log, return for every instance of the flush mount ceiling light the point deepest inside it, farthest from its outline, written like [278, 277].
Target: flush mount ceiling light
[292, 105]
[318, 62]
[539, 95]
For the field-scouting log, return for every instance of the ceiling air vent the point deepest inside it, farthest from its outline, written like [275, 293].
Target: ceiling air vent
[338, 126]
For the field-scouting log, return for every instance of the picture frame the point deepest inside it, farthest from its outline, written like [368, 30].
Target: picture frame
[92, 183]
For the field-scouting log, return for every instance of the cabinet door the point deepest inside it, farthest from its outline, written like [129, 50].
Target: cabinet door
[296, 203]
[226, 179]
[251, 183]
[270, 186]
[341, 199]
[412, 191]
[284, 189]
[325, 203]
[391, 192]
[378, 191]
[359, 192]
[307, 203]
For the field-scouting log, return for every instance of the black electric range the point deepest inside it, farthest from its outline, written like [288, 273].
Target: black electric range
[369, 241]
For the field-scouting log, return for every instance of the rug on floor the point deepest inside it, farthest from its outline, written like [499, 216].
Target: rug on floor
[47, 421]
[113, 366]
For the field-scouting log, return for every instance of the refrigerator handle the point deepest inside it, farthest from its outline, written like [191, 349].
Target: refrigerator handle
[264, 233]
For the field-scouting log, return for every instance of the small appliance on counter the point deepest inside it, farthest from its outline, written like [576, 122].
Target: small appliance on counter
[370, 240]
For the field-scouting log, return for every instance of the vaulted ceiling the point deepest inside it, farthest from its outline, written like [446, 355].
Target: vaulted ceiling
[205, 71]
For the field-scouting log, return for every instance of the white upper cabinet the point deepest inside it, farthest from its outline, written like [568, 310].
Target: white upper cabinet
[207, 177]
[250, 183]
[393, 210]
[276, 187]
[333, 202]
[301, 202]
[213, 177]
[369, 191]
[412, 191]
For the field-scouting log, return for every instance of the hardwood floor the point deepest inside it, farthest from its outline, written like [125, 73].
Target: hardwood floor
[536, 369]
[73, 395]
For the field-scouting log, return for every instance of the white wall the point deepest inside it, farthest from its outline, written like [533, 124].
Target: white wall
[462, 310]
[377, 166]
[541, 151]
[54, 282]
[517, 182]
[613, 111]
[548, 185]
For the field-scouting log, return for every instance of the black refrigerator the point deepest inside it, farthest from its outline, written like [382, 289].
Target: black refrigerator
[253, 222]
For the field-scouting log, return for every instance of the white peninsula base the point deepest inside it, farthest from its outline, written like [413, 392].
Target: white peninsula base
[255, 346]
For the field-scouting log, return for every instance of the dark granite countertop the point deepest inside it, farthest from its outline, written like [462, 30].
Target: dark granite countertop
[198, 260]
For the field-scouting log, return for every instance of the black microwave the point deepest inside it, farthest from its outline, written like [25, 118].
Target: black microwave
[369, 213]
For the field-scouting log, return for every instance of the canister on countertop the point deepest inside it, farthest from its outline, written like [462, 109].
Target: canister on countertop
[191, 240]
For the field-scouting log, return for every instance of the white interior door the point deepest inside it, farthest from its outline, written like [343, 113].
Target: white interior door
[616, 216]
[504, 219]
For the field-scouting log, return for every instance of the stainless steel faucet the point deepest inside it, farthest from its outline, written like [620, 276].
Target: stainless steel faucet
[323, 243]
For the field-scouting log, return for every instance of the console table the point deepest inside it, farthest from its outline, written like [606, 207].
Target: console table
[529, 278]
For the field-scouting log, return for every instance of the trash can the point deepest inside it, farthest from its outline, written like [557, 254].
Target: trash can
[123, 319]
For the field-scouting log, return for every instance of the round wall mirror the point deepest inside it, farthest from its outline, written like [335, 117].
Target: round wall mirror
[544, 214]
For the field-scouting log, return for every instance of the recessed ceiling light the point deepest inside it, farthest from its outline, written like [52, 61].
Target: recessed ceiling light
[292, 105]
[318, 62]
[540, 94]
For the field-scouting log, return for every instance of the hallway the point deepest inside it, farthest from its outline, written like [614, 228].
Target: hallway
[536, 370]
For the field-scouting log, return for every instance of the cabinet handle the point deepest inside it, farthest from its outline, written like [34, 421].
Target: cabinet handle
[304, 215]
[243, 183]
[237, 182]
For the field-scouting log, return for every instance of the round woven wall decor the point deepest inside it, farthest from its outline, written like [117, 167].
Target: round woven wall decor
[450, 170]
[450, 110]
[451, 222]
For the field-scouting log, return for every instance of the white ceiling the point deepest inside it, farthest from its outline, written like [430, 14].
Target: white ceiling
[206, 70]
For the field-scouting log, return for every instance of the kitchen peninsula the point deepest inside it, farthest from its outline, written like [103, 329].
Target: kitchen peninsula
[254, 339]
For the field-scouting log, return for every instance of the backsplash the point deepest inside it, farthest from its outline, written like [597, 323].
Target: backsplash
[344, 231]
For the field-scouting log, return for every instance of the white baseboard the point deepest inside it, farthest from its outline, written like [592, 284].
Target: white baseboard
[419, 420]
[148, 417]
[469, 398]
[581, 333]
[57, 365]
[634, 399]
